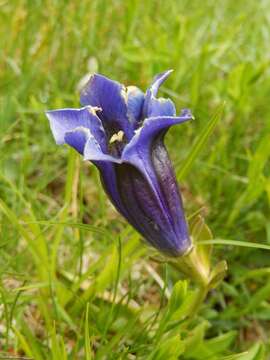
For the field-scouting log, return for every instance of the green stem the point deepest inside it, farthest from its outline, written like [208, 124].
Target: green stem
[193, 267]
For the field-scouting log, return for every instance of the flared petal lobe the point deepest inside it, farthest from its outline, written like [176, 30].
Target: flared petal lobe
[66, 120]
[82, 130]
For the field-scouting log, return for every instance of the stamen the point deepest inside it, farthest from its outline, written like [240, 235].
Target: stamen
[93, 109]
[117, 137]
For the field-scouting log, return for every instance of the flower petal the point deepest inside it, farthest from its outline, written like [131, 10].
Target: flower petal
[140, 144]
[65, 120]
[135, 104]
[93, 152]
[154, 106]
[77, 138]
[111, 97]
[147, 153]
[85, 143]
[145, 211]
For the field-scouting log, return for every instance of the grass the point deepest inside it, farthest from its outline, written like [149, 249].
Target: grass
[75, 280]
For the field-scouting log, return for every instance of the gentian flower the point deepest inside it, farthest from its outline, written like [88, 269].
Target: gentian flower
[121, 130]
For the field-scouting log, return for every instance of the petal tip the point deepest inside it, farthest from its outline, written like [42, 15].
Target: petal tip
[57, 135]
[186, 113]
[169, 71]
[161, 77]
[48, 114]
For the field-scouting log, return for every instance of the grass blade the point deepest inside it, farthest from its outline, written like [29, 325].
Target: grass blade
[87, 341]
[199, 144]
[235, 243]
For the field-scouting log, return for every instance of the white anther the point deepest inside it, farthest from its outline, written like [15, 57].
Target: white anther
[117, 137]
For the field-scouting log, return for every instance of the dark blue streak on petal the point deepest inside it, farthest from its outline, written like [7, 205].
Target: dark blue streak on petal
[143, 209]
[109, 182]
[170, 192]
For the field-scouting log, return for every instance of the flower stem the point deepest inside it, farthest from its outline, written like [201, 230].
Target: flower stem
[196, 269]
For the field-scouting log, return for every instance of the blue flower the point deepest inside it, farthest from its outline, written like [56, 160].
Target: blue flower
[121, 130]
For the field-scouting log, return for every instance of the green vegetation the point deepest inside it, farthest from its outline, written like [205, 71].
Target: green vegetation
[75, 280]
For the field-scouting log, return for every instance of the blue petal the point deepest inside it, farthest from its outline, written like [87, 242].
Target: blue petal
[147, 153]
[135, 104]
[141, 142]
[84, 142]
[77, 139]
[112, 186]
[111, 97]
[93, 152]
[146, 212]
[106, 164]
[154, 106]
[65, 120]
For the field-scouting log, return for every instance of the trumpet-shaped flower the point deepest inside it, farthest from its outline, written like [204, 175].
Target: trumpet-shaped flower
[121, 131]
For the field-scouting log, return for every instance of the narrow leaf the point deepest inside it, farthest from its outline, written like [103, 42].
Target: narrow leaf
[199, 144]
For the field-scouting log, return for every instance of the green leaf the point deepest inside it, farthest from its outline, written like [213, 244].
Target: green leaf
[256, 352]
[217, 274]
[169, 349]
[212, 348]
[200, 232]
[177, 297]
[28, 343]
[236, 243]
[256, 300]
[257, 180]
[87, 342]
[199, 144]
[195, 340]
[57, 346]
[220, 343]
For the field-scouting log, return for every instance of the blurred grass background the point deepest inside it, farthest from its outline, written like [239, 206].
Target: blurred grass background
[57, 227]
